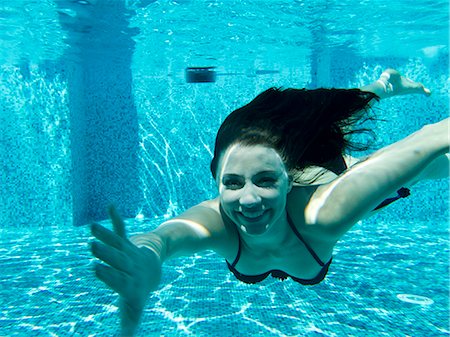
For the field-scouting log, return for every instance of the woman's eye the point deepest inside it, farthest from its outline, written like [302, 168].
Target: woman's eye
[232, 184]
[266, 182]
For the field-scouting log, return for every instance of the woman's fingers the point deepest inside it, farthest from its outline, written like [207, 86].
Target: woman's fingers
[115, 279]
[410, 86]
[107, 237]
[118, 224]
[125, 272]
[115, 258]
[425, 90]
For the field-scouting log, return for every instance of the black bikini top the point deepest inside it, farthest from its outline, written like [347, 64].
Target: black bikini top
[279, 273]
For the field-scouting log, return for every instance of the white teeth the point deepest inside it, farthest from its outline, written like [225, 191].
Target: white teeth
[244, 229]
[253, 215]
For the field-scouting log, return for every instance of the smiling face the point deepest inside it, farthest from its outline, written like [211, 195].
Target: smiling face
[253, 186]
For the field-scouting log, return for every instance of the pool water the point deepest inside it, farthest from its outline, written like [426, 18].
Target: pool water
[95, 109]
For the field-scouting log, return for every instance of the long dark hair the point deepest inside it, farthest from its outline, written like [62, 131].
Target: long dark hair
[306, 127]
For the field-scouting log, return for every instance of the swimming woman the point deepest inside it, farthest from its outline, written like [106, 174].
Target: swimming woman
[287, 191]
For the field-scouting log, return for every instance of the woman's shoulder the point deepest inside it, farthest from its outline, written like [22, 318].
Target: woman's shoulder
[208, 214]
[301, 194]
[297, 207]
[211, 204]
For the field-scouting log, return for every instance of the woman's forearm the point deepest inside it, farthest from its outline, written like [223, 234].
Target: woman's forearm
[348, 198]
[439, 168]
[150, 241]
[428, 143]
[376, 88]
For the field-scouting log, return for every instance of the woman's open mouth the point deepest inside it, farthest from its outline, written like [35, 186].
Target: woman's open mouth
[253, 221]
[252, 216]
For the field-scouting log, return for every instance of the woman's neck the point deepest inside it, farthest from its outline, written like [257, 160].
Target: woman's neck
[276, 236]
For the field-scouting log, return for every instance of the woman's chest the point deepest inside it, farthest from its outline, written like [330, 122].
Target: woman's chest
[294, 259]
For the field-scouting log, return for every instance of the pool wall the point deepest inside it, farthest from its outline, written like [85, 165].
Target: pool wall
[104, 123]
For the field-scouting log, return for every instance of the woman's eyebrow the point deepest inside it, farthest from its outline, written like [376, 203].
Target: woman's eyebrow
[269, 172]
[266, 172]
[231, 175]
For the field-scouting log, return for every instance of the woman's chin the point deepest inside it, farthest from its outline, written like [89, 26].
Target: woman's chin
[254, 225]
[254, 229]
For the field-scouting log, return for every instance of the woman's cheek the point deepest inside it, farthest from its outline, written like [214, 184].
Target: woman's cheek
[228, 197]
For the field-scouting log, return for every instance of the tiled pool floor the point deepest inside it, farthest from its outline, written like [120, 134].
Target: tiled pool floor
[48, 288]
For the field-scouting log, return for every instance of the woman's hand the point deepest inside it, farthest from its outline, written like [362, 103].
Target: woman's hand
[132, 272]
[392, 83]
[395, 84]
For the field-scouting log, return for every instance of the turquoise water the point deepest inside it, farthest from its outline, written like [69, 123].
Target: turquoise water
[95, 109]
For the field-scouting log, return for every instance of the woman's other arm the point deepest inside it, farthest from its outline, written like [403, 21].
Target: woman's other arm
[437, 169]
[337, 206]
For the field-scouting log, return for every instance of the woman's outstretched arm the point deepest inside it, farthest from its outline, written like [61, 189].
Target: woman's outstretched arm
[133, 266]
[337, 206]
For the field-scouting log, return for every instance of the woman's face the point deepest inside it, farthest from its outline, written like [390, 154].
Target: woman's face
[253, 185]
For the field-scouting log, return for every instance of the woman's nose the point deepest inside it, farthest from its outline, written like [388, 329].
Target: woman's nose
[249, 197]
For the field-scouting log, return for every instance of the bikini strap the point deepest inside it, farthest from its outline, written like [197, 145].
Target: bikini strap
[238, 255]
[337, 166]
[297, 233]
[401, 193]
